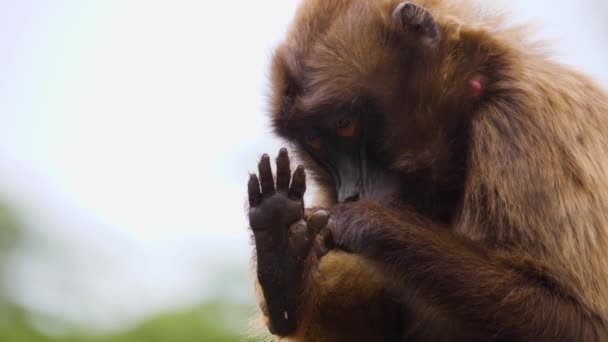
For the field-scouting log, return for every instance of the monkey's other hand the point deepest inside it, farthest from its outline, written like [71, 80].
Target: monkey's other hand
[351, 224]
[283, 239]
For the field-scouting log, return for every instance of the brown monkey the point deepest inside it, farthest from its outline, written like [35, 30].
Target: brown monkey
[466, 177]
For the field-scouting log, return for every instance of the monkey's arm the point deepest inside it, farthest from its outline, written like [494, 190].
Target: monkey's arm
[505, 295]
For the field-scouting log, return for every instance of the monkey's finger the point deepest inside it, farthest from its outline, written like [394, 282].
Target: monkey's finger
[318, 221]
[266, 180]
[253, 189]
[328, 238]
[325, 243]
[298, 184]
[283, 171]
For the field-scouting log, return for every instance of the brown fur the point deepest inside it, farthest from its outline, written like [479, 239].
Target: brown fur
[507, 238]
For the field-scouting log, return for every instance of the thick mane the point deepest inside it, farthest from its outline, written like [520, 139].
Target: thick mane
[546, 187]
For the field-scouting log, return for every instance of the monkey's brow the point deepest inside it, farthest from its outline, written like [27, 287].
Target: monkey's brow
[299, 123]
[326, 108]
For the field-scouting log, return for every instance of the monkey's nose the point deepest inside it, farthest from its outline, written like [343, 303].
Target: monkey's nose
[352, 198]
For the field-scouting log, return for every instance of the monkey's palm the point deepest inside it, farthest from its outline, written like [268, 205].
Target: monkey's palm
[283, 240]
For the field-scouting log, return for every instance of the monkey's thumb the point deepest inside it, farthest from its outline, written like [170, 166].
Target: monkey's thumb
[318, 221]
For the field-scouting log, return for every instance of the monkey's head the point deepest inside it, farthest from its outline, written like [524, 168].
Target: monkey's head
[374, 95]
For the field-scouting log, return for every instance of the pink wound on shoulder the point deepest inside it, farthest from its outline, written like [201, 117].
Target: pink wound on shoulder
[475, 86]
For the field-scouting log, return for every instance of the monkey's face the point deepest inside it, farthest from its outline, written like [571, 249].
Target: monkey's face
[348, 87]
[341, 144]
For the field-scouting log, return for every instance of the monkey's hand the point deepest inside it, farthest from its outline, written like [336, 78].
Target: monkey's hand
[355, 227]
[283, 239]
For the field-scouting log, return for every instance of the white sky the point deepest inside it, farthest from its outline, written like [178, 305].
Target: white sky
[146, 114]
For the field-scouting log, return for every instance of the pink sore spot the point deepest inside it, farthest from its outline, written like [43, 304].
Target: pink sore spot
[475, 86]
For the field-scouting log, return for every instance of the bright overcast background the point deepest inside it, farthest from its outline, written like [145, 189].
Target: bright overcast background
[127, 131]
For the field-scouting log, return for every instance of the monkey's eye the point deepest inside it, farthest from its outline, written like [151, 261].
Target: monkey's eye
[345, 127]
[313, 140]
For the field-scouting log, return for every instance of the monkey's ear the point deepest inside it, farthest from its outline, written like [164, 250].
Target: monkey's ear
[417, 20]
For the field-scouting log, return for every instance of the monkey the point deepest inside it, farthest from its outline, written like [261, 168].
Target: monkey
[463, 178]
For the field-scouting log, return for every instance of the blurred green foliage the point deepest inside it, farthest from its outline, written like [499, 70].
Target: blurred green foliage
[219, 321]
[202, 324]
[8, 232]
[8, 238]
